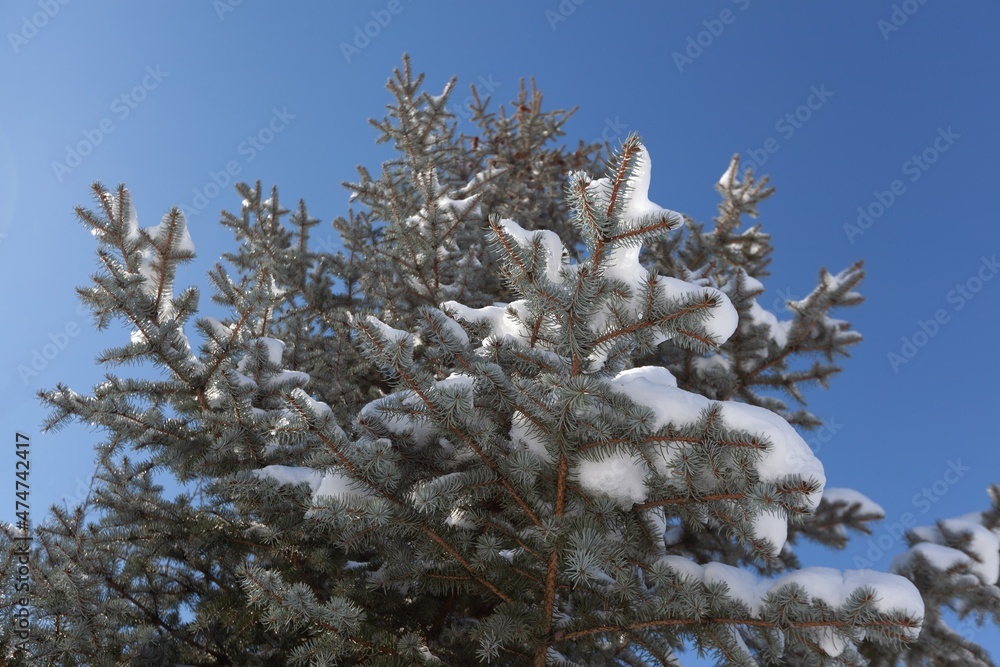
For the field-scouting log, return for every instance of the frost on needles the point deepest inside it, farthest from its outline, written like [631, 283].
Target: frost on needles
[555, 468]
[520, 415]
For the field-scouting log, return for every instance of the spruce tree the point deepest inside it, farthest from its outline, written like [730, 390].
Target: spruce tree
[523, 416]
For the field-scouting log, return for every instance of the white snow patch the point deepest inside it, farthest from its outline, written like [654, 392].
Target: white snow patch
[133, 221]
[712, 363]
[972, 517]
[983, 547]
[482, 177]
[321, 409]
[397, 335]
[459, 519]
[779, 328]
[150, 273]
[621, 478]
[728, 178]
[548, 240]
[335, 483]
[751, 284]
[654, 387]
[274, 349]
[522, 436]
[939, 556]
[657, 389]
[510, 554]
[892, 593]
[183, 242]
[290, 475]
[850, 497]
[639, 206]
[724, 319]
[328, 483]
[743, 586]
[421, 430]
[461, 380]
[773, 528]
[502, 323]
[456, 330]
[219, 330]
[297, 377]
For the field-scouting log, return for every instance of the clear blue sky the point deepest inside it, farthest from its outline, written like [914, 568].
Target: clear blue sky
[910, 97]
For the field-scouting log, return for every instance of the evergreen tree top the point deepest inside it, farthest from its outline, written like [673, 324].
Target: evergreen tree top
[524, 416]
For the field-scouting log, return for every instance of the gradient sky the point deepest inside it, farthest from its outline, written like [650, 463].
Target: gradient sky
[890, 108]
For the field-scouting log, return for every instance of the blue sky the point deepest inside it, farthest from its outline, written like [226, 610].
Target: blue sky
[887, 108]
